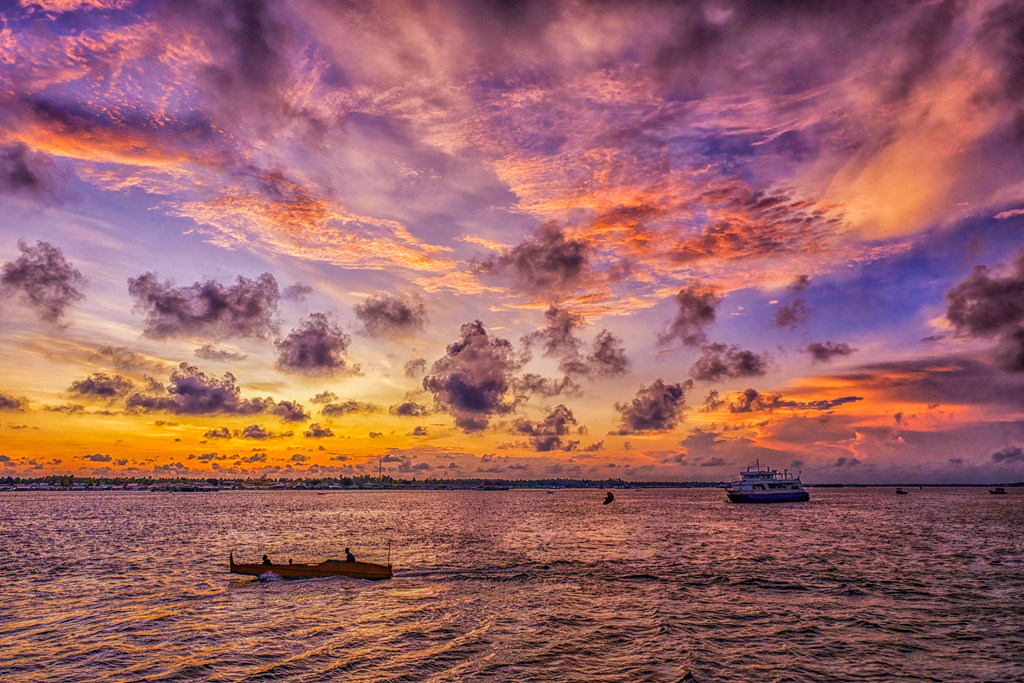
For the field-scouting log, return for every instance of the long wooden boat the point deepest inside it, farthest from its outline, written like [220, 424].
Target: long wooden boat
[354, 570]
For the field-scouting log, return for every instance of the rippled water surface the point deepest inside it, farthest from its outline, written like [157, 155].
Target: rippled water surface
[661, 585]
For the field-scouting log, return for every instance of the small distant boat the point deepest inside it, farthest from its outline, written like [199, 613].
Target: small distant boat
[761, 484]
[999, 491]
[901, 492]
[353, 570]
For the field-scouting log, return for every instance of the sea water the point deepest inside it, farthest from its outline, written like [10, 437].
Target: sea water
[858, 584]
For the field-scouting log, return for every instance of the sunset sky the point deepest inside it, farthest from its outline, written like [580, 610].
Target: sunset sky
[654, 241]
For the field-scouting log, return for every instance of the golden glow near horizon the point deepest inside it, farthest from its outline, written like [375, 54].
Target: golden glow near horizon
[649, 242]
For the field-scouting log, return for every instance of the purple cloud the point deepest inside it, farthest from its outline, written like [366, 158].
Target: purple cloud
[315, 431]
[316, 347]
[792, 315]
[212, 353]
[25, 173]
[102, 385]
[410, 409]
[415, 367]
[290, 411]
[751, 400]
[696, 304]
[244, 309]
[254, 432]
[823, 352]
[474, 376]
[193, 392]
[296, 292]
[986, 305]
[655, 408]
[720, 362]
[42, 278]
[558, 339]
[11, 404]
[218, 433]
[1010, 454]
[546, 435]
[347, 408]
[545, 262]
[391, 316]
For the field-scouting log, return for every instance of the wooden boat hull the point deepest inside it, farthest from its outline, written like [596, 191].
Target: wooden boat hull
[353, 570]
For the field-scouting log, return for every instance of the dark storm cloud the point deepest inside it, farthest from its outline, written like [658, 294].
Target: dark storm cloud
[986, 305]
[655, 408]
[545, 262]
[825, 351]
[218, 433]
[721, 362]
[315, 431]
[23, 172]
[211, 352]
[410, 409]
[42, 278]
[751, 400]
[558, 339]
[546, 435]
[316, 347]
[391, 316]
[102, 385]
[290, 411]
[193, 392]
[696, 305]
[244, 309]
[1009, 454]
[347, 408]
[415, 367]
[473, 377]
[11, 404]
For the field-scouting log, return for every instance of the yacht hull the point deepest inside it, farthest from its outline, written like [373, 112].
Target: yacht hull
[769, 497]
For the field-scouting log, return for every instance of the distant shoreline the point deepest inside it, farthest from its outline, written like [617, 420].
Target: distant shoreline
[70, 484]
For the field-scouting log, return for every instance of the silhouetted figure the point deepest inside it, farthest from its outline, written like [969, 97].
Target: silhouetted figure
[608, 498]
[266, 560]
[289, 560]
[349, 557]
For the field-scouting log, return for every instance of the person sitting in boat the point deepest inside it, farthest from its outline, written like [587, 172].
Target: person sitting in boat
[349, 557]
[266, 560]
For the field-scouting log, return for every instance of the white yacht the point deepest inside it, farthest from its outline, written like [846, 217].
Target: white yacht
[761, 484]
